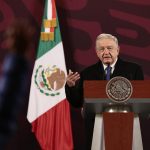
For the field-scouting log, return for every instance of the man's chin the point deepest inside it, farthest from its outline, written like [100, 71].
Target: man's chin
[107, 61]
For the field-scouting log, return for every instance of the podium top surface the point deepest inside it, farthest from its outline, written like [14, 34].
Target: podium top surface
[96, 99]
[97, 89]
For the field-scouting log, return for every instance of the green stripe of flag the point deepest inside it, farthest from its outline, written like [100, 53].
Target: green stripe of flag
[45, 46]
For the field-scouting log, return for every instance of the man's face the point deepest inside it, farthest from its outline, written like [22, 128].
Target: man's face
[107, 50]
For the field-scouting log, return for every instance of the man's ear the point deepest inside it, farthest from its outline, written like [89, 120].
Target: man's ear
[96, 52]
[118, 49]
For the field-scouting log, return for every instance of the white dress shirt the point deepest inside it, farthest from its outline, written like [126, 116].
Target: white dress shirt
[112, 67]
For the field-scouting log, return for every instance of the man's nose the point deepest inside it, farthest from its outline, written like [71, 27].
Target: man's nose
[106, 51]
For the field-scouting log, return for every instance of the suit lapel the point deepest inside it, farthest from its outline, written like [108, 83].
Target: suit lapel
[118, 68]
[100, 71]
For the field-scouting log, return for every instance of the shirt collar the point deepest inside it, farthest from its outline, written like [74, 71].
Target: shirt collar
[112, 65]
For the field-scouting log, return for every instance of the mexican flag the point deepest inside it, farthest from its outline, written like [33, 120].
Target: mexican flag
[48, 110]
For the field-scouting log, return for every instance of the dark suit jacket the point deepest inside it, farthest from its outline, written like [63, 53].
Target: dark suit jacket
[125, 69]
[129, 70]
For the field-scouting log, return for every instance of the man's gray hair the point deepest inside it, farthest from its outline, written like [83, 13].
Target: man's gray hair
[107, 36]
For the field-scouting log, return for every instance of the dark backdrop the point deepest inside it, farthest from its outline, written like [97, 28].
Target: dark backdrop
[80, 22]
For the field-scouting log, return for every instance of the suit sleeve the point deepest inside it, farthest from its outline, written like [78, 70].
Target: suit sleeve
[139, 74]
[75, 94]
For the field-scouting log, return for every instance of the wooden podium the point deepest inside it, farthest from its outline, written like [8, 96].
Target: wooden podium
[119, 127]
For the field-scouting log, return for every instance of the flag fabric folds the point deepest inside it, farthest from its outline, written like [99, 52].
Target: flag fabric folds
[48, 110]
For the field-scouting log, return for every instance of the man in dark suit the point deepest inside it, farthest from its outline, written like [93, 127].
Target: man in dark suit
[107, 50]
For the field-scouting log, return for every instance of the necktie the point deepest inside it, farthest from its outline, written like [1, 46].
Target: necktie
[108, 72]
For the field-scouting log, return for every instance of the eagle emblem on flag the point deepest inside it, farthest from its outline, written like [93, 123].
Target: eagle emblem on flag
[49, 80]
